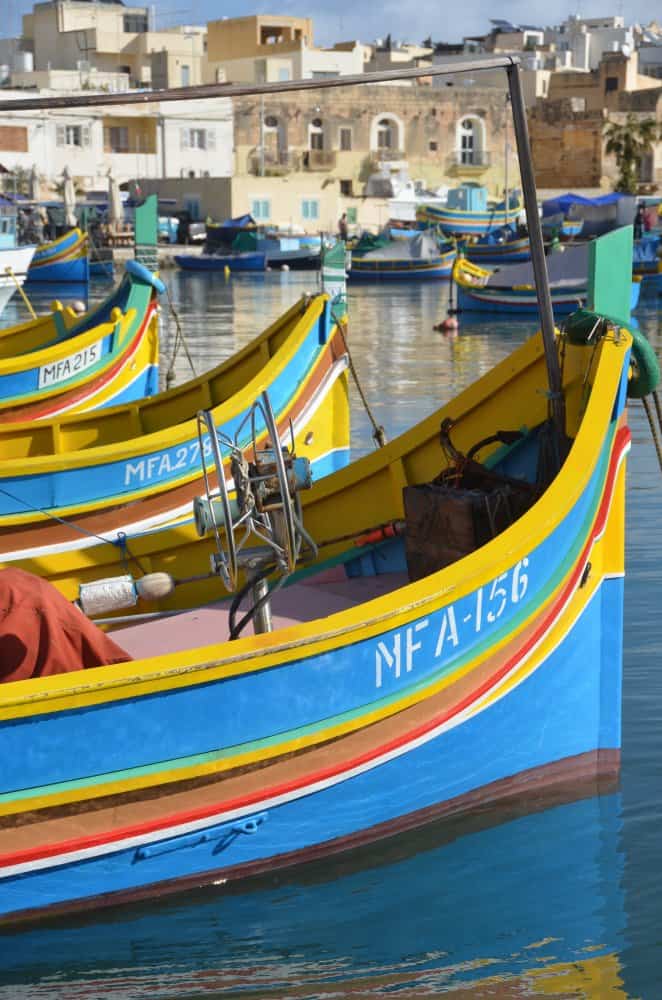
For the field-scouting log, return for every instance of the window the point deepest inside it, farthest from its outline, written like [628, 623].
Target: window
[192, 206]
[118, 139]
[316, 134]
[198, 138]
[72, 135]
[384, 134]
[433, 145]
[611, 84]
[135, 23]
[346, 189]
[352, 215]
[283, 73]
[467, 142]
[310, 209]
[261, 209]
[345, 137]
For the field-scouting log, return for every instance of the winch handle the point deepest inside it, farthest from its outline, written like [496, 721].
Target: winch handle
[291, 547]
[227, 551]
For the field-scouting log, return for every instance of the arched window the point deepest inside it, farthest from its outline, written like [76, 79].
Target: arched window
[470, 141]
[274, 137]
[386, 134]
[316, 134]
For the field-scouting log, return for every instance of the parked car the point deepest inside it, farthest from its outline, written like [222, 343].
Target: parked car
[190, 230]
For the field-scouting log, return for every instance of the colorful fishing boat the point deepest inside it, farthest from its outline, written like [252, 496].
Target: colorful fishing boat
[510, 289]
[141, 464]
[569, 214]
[67, 362]
[251, 261]
[420, 258]
[14, 264]
[468, 213]
[62, 260]
[14, 260]
[399, 650]
[500, 246]
[557, 226]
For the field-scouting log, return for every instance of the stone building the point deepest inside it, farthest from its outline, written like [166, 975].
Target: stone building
[343, 135]
[567, 130]
[566, 145]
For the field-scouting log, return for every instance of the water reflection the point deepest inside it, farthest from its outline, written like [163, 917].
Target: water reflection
[530, 906]
[562, 902]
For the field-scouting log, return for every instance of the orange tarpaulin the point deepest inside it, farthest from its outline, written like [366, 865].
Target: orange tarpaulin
[42, 633]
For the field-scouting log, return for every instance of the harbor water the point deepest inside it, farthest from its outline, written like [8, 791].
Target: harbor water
[555, 897]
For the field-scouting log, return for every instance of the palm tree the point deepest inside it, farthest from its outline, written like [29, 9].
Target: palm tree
[629, 142]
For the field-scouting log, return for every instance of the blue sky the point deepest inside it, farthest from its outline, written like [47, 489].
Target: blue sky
[344, 19]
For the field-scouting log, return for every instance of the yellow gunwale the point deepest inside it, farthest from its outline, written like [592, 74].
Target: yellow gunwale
[260, 652]
[170, 434]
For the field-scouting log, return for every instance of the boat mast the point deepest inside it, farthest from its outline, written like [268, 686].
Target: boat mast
[538, 260]
[509, 63]
[505, 162]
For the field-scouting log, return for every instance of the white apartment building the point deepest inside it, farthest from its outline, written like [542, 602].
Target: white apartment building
[588, 38]
[111, 37]
[188, 139]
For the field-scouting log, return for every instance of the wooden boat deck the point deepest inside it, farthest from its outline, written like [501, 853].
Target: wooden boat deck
[322, 595]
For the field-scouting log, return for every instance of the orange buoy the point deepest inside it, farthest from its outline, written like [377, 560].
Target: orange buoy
[450, 323]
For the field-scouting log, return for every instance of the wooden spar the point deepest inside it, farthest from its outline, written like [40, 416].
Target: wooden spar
[538, 259]
[508, 63]
[216, 90]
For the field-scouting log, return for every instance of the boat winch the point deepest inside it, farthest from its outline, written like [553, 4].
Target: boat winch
[259, 531]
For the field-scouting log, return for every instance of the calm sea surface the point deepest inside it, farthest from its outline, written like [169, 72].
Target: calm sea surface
[554, 899]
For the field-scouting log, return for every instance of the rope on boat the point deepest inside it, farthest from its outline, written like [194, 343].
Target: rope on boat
[651, 423]
[107, 264]
[179, 339]
[10, 272]
[120, 541]
[378, 431]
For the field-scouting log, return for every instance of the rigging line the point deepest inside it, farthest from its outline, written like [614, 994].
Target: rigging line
[121, 536]
[179, 338]
[378, 431]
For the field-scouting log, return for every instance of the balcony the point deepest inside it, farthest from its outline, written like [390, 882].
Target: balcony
[273, 164]
[386, 155]
[468, 162]
[318, 159]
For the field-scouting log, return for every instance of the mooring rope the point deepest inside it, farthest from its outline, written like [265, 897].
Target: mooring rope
[179, 338]
[378, 431]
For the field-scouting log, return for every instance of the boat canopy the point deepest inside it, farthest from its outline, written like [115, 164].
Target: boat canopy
[564, 202]
[423, 246]
[600, 215]
[566, 266]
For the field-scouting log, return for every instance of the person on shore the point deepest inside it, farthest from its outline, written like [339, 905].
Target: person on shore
[342, 227]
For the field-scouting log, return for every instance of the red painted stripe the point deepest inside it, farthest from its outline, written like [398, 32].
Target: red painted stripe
[622, 440]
